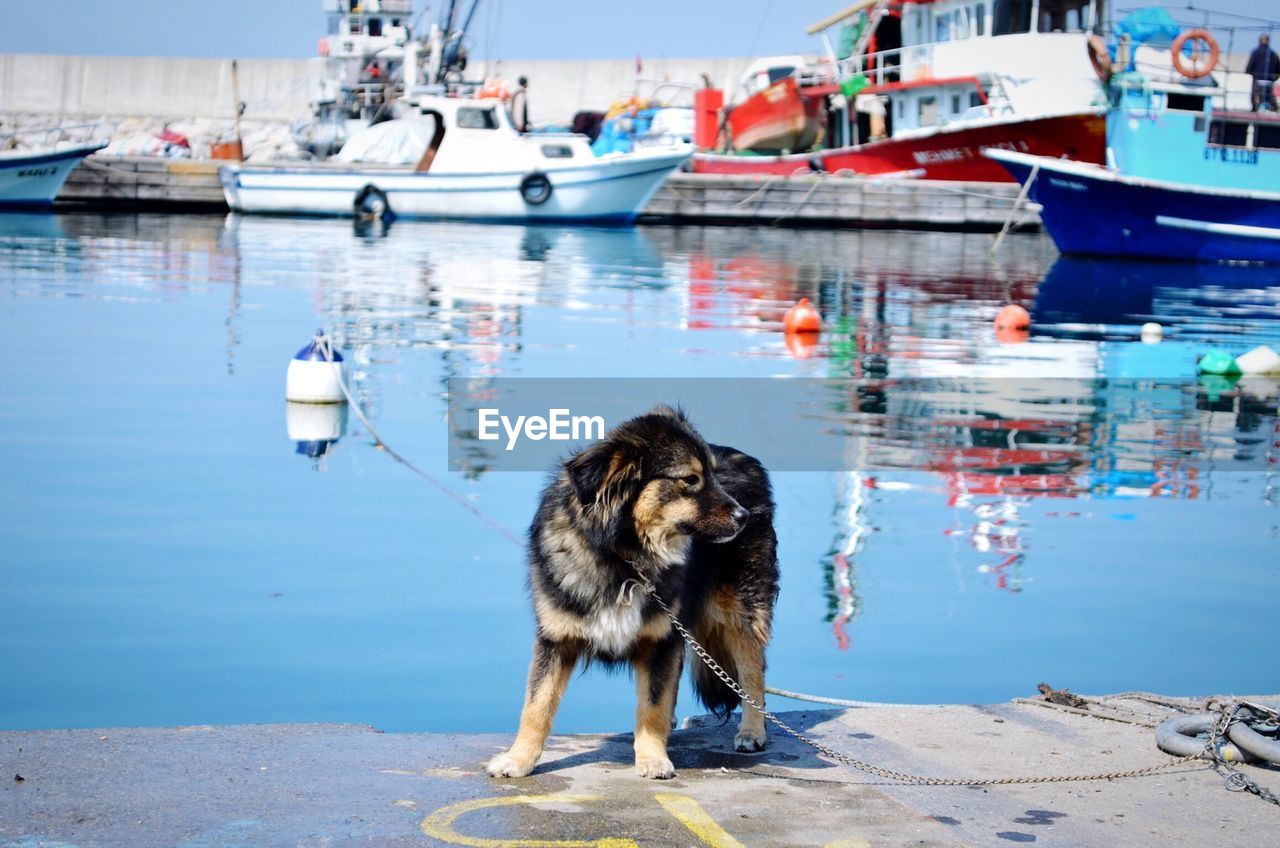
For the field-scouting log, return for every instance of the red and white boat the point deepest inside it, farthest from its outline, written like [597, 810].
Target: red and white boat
[929, 84]
[780, 110]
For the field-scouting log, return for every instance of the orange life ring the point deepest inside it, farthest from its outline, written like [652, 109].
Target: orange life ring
[1099, 57]
[1200, 41]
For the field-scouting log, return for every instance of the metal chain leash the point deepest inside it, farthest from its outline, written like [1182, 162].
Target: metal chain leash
[913, 779]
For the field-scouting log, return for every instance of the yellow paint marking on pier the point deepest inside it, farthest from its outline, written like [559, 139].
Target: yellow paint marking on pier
[439, 825]
[690, 814]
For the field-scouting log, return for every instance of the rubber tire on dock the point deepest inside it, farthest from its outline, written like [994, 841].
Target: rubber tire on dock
[535, 188]
[371, 204]
[1254, 743]
[1178, 736]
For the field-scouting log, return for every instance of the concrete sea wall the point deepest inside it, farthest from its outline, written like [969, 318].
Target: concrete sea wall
[276, 90]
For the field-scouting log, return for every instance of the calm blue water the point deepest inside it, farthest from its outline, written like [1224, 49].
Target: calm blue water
[170, 558]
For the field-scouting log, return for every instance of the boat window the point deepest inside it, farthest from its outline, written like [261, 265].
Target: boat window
[979, 18]
[1011, 16]
[395, 22]
[928, 111]
[1229, 133]
[353, 6]
[1184, 102]
[777, 75]
[942, 27]
[375, 26]
[975, 99]
[353, 27]
[1063, 15]
[955, 104]
[477, 119]
[557, 151]
[1267, 135]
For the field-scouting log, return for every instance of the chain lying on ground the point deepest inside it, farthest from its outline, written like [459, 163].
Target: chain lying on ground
[1236, 780]
[1242, 782]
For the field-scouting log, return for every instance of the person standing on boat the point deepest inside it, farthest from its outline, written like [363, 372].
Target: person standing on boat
[1264, 67]
[520, 106]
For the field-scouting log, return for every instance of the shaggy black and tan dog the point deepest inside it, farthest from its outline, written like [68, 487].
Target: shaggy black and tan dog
[651, 501]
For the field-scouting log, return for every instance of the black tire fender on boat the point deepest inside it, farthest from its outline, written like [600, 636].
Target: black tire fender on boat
[371, 203]
[535, 188]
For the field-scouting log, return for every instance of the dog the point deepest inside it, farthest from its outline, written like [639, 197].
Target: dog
[652, 504]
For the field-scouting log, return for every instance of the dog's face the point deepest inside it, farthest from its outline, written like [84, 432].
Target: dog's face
[653, 477]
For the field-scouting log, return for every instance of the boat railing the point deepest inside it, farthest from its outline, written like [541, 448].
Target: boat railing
[669, 93]
[1236, 35]
[18, 137]
[886, 66]
[1223, 89]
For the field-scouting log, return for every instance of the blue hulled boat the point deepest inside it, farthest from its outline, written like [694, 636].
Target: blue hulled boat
[31, 178]
[1188, 175]
[1091, 210]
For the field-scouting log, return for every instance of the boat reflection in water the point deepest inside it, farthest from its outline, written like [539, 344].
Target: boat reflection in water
[1083, 411]
[922, 400]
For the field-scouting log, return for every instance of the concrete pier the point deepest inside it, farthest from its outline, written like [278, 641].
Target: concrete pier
[831, 200]
[143, 180]
[704, 198]
[335, 785]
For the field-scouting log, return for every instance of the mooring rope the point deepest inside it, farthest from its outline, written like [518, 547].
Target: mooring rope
[326, 349]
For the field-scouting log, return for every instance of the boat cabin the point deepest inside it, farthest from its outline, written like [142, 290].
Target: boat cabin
[362, 57]
[933, 63]
[1159, 134]
[358, 28]
[473, 135]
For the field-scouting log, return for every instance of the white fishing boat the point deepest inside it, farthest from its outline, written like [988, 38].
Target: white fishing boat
[460, 158]
[32, 177]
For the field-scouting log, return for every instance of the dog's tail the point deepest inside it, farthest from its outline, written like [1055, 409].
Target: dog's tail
[714, 694]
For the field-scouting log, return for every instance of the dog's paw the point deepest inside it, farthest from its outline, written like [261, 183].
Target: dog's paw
[505, 765]
[655, 768]
[749, 741]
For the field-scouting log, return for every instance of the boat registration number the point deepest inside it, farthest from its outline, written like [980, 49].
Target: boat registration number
[1236, 155]
[37, 172]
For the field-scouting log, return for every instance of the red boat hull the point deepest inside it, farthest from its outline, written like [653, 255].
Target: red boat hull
[948, 154]
[778, 118]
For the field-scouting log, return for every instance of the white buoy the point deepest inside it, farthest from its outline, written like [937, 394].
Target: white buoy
[1260, 360]
[315, 373]
[1152, 333]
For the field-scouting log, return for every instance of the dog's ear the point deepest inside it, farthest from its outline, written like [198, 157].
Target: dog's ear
[606, 475]
[677, 413]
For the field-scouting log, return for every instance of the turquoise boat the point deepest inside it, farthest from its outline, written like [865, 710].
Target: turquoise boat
[1189, 175]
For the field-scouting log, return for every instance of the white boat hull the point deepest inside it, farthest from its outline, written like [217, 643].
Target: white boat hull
[608, 190]
[33, 179]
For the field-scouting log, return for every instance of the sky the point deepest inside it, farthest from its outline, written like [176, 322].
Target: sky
[503, 29]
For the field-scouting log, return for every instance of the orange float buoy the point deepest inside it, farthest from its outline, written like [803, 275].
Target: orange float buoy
[802, 318]
[1012, 317]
